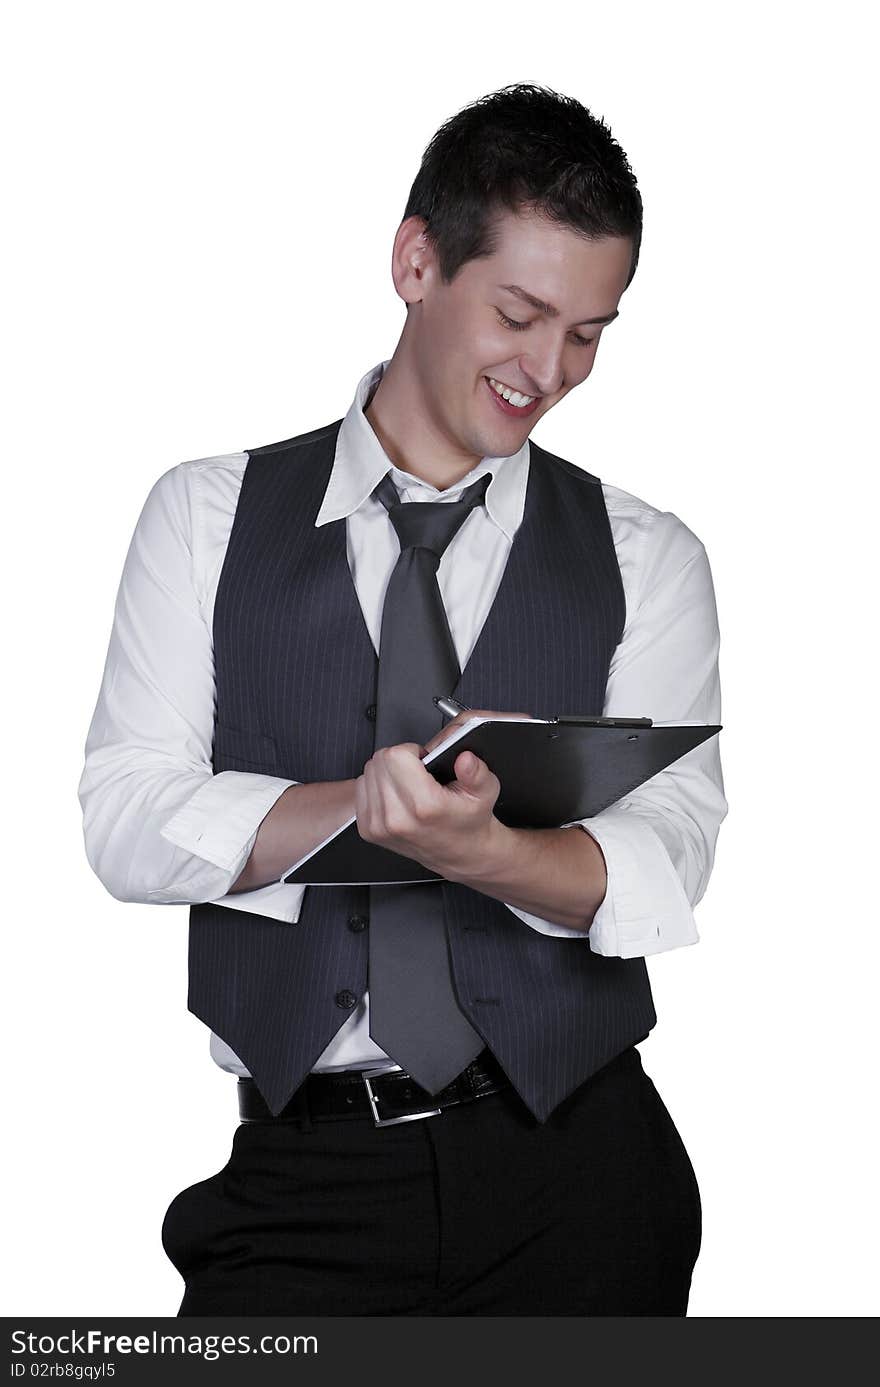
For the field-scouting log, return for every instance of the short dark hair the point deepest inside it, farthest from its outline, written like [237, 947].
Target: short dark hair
[523, 146]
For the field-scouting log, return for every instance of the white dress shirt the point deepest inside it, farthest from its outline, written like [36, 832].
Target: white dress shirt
[160, 827]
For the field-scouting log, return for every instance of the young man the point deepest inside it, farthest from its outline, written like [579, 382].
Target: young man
[444, 1112]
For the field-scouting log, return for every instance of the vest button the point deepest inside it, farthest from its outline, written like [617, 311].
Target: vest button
[346, 999]
[356, 923]
[370, 712]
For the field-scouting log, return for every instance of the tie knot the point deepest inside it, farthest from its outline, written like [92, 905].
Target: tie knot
[429, 524]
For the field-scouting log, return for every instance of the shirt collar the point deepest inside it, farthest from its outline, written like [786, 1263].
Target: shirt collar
[361, 462]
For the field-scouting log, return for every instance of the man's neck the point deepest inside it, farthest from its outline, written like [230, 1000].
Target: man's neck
[409, 437]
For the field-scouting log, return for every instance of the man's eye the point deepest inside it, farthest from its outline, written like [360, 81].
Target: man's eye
[521, 327]
[511, 322]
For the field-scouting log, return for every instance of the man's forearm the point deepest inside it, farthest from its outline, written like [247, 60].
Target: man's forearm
[302, 817]
[557, 874]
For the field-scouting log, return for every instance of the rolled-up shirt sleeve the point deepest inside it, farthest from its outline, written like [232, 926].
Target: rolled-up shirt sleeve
[659, 841]
[159, 826]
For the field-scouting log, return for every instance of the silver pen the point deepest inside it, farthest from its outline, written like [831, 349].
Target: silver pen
[450, 707]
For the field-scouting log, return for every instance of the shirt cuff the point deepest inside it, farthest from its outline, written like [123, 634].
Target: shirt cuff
[219, 823]
[645, 910]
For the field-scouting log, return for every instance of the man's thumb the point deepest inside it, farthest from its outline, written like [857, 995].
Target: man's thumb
[471, 772]
[467, 767]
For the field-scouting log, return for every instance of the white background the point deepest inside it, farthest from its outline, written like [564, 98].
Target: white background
[200, 204]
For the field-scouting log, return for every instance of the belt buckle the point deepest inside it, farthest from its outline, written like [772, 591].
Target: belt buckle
[367, 1075]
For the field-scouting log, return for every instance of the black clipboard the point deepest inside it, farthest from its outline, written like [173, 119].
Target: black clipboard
[551, 771]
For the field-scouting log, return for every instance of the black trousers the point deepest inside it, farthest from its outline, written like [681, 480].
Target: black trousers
[481, 1210]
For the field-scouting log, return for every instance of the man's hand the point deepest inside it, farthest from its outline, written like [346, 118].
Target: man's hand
[557, 874]
[450, 829]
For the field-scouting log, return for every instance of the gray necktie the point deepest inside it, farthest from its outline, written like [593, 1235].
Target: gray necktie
[414, 1014]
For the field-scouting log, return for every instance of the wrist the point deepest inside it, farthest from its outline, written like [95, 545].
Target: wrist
[491, 856]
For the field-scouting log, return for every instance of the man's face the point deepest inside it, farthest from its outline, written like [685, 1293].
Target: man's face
[475, 330]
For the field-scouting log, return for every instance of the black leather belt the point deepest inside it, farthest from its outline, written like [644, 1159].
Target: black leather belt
[387, 1098]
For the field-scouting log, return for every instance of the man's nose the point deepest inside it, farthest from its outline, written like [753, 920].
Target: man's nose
[544, 371]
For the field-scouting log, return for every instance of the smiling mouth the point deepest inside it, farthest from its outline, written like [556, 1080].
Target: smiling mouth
[511, 401]
[513, 397]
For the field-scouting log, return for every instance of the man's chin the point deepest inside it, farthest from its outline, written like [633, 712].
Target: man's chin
[504, 443]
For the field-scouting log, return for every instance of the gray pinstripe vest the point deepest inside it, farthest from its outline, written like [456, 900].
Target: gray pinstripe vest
[295, 682]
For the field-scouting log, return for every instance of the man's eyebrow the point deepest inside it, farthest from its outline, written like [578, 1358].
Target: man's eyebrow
[548, 308]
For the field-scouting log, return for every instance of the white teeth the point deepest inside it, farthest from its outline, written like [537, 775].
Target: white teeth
[512, 396]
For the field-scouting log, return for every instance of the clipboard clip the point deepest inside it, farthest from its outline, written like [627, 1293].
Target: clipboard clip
[575, 721]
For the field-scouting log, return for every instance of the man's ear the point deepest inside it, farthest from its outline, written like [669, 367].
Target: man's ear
[411, 258]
